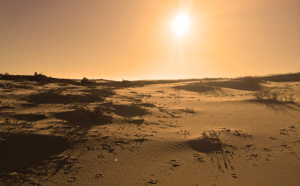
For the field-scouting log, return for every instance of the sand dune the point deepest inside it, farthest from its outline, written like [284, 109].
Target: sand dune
[185, 132]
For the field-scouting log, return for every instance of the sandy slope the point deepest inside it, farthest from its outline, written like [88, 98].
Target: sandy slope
[184, 133]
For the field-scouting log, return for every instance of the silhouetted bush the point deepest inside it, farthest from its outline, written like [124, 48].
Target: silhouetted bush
[86, 81]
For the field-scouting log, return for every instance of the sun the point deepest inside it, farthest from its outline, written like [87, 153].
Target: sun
[181, 24]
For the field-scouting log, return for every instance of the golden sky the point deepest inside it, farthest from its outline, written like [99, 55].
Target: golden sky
[133, 39]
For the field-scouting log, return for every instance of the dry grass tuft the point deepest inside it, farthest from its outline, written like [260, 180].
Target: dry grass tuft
[273, 96]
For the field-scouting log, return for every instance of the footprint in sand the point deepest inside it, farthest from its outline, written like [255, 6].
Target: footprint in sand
[284, 132]
[272, 138]
[234, 175]
[198, 158]
[289, 129]
[173, 163]
[267, 149]
[72, 179]
[98, 175]
[67, 168]
[100, 156]
[153, 182]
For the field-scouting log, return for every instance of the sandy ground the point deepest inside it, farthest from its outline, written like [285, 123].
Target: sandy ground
[181, 133]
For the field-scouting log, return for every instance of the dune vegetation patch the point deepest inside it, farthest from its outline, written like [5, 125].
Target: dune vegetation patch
[273, 96]
[215, 150]
[40, 78]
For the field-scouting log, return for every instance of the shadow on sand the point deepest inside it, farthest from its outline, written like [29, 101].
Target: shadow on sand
[84, 119]
[214, 148]
[243, 84]
[277, 105]
[20, 151]
[194, 87]
[127, 111]
[219, 152]
[215, 86]
[55, 97]
[29, 117]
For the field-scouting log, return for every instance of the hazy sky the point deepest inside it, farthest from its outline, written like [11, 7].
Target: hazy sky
[133, 39]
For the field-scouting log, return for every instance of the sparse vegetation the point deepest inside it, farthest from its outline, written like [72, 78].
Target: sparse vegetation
[38, 77]
[188, 110]
[211, 135]
[273, 96]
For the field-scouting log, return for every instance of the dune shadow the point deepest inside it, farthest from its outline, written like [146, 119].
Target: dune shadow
[54, 97]
[20, 151]
[277, 105]
[215, 86]
[28, 105]
[137, 122]
[243, 84]
[23, 87]
[29, 117]
[84, 119]
[129, 110]
[206, 145]
[6, 107]
[292, 77]
[194, 87]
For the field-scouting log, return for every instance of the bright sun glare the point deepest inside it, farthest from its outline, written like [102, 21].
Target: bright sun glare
[181, 24]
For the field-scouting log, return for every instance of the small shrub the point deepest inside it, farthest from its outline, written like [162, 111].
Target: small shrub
[274, 96]
[86, 81]
[40, 77]
[291, 98]
[259, 95]
[125, 81]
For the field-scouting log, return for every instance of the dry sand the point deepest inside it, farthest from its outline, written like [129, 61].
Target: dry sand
[162, 133]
